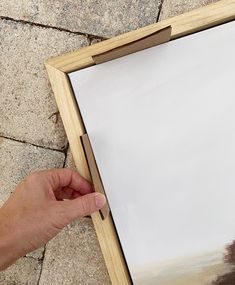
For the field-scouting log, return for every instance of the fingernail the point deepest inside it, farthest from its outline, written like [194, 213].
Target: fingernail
[100, 200]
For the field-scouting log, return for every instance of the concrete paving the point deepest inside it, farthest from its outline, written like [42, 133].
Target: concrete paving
[19, 159]
[27, 105]
[100, 18]
[74, 257]
[26, 271]
[171, 8]
[31, 132]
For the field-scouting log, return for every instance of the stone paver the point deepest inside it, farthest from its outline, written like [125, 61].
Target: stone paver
[171, 8]
[74, 256]
[37, 254]
[27, 105]
[25, 271]
[69, 160]
[100, 18]
[17, 161]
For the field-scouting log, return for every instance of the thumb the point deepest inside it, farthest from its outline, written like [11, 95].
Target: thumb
[84, 205]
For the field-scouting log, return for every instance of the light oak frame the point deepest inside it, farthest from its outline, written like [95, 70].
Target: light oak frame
[58, 69]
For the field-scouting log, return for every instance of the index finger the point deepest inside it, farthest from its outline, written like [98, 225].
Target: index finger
[66, 177]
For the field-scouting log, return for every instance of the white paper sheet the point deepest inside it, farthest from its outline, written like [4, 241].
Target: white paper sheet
[162, 127]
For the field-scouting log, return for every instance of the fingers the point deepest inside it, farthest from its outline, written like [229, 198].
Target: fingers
[83, 206]
[61, 178]
[66, 193]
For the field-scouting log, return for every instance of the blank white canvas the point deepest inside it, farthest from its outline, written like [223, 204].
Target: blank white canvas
[162, 126]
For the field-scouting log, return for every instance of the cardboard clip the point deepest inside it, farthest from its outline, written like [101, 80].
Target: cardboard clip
[150, 40]
[95, 176]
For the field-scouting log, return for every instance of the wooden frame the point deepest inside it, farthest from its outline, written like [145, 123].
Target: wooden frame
[58, 69]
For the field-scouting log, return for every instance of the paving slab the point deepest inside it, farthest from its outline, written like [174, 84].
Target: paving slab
[25, 271]
[74, 258]
[37, 254]
[17, 161]
[27, 107]
[100, 18]
[69, 163]
[171, 8]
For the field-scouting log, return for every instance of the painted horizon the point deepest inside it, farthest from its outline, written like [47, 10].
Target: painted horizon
[211, 268]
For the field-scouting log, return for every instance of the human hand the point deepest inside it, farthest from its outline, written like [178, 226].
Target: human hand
[36, 211]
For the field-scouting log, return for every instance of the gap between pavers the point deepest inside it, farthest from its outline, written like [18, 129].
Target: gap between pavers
[99, 18]
[74, 257]
[24, 271]
[20, 159]
[27, 106]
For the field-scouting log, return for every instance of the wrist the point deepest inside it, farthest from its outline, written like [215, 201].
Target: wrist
[5, 255]
[8, 242]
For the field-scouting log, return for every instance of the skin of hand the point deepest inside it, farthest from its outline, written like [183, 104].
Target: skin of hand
[40, 207]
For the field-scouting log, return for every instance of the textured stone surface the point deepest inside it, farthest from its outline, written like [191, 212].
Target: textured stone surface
[37, 254]
[74, 258]
[69, 160]
[19, 159]
[171, 8]
[100, 18]
[25, 271]
[27, 106]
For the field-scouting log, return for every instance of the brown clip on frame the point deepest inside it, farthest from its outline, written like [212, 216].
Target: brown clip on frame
[95, 176]
[151, 40]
